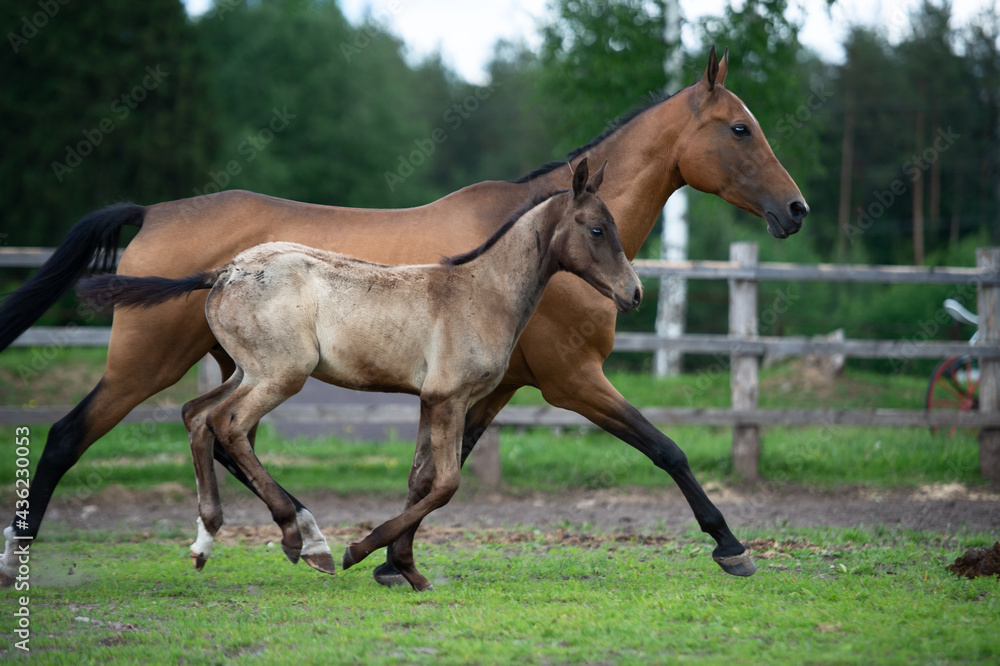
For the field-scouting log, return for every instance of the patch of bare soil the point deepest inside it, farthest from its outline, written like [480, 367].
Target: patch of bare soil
[633, 514]
[978, 562]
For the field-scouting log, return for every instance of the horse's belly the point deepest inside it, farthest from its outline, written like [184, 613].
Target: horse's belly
[369, 363]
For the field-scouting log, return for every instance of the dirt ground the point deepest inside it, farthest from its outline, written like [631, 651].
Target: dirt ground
[947, 508]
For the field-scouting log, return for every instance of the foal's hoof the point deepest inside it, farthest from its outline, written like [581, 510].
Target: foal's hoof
[737, 565]
[321, 562]
[386, 574]
[199, 561]
[292, 554]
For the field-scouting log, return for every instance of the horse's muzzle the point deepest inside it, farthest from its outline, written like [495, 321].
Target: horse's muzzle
[789, 221]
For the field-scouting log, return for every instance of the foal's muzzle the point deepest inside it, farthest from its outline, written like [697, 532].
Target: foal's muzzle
[625, 305]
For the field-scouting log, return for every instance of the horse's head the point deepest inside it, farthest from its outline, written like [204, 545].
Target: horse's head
[589, 245]
[724, 152]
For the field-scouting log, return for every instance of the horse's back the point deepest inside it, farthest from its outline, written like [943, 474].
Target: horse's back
[207, 231]
[353, 323]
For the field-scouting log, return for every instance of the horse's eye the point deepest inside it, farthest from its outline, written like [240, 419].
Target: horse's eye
[741, 130]
[596, 232]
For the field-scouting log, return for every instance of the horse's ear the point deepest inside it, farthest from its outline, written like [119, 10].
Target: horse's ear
[720, 78]
[580, 177]
[712, 71]
[596, 180]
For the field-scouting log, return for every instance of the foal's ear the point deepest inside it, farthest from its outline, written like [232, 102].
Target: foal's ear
[580, 177]
[596, 180]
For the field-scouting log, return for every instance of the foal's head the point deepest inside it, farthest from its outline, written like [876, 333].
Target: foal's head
[588, 245]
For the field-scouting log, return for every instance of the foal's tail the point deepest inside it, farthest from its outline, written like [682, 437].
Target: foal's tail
[126, 291]
[94, 239]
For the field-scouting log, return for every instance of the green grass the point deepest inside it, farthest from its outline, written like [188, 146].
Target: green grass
[138, 457]
[829, 596]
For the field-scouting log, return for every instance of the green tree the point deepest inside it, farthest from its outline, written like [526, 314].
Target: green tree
[598, 58]
[102, 101]
[353, 121]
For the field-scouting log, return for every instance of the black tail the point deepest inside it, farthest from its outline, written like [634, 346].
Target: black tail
[126, 291]
[94, 239]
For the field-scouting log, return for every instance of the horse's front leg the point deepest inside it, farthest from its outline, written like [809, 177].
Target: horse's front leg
[445, 420]
[592, 395]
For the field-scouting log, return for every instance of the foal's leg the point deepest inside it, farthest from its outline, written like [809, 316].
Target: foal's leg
[232, 420]
[446, 420]
[399, 556]
[478, 418]
[194, 414]
[315, 549]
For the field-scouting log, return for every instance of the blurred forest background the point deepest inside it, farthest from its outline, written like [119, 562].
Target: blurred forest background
[897, 150]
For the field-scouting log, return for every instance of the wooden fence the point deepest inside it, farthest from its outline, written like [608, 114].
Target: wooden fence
[743, 345]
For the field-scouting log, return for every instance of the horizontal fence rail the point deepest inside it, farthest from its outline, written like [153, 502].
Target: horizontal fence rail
[785, 272]
[553, 417]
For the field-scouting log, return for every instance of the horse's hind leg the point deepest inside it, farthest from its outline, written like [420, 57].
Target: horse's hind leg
[315, 549]
[194, 414]
[123, 387]
[232, 420]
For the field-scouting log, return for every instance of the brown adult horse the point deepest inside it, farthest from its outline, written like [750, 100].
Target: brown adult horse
[445, 332]
[703, 136]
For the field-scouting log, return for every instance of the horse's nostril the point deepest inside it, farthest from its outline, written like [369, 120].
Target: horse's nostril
[797, 210]
[637, 296]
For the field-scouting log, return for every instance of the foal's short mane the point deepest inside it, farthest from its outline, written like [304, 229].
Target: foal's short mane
[466, 257]
[611, 128]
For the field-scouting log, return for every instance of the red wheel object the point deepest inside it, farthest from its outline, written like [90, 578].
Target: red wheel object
[954, 384]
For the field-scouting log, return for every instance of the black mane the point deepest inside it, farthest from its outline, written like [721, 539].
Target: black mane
[611, 128]
[466, 257]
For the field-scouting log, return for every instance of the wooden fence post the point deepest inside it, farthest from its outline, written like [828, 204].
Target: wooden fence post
[989, 369]
[484, 461]
[743, 367]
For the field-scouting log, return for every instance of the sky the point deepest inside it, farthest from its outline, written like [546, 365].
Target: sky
[464, 31]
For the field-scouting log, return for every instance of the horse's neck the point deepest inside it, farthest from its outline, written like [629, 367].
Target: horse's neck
[515, 271]
[642, 169]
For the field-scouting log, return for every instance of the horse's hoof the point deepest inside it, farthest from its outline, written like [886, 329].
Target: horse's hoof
[737, 565]
[321, 562]
[6, 580]
[386, 574]
[199, 561]
[292, 554]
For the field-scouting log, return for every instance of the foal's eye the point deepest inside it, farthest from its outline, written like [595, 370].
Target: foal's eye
[596, 232]
[741, 130]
